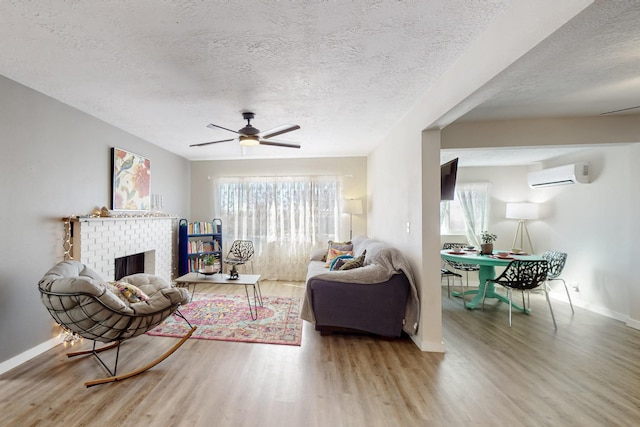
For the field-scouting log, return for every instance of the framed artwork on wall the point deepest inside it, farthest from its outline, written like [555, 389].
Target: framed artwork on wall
[131, 178]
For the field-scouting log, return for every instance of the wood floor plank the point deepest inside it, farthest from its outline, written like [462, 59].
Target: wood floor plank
[587, 373]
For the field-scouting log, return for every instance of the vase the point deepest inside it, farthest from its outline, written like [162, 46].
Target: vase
[486, 248]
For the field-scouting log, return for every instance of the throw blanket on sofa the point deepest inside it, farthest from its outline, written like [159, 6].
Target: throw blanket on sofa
[381, 262]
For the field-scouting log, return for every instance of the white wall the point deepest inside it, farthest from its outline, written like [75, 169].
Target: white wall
[507, 184]
[395, 213]
[595, 224]
[634, 233]
[404, 168]
[566, 131]
[55, 163]
[353, 171]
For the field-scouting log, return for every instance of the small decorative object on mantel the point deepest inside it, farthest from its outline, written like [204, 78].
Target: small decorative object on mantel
[105, 212]
[487, 242]
[233, 274]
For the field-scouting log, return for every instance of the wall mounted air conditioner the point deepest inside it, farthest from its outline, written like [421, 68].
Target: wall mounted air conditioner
[577, 173]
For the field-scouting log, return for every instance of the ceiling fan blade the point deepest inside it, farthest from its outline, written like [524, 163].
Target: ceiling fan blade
[211, 126]
[211, 142]
[279, 131]
[620, 110]
[279, 144]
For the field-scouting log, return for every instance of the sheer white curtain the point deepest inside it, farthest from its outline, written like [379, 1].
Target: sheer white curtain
[474, 201]
[283, 216]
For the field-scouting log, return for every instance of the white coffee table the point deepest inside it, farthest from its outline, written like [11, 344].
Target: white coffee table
[222, 279]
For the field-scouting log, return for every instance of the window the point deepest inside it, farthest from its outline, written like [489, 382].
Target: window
[468, 213]
[451, 217]
[283, 216]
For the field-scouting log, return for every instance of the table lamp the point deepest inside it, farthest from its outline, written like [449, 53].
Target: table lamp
[522, 212]
[352, 207]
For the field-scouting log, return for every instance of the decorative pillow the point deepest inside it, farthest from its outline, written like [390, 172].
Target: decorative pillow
[341, 246]
[334, 253]
[354, 263]
[128, 292]
[338, 261]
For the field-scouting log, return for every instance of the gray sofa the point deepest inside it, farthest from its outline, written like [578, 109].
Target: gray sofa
[378, 298]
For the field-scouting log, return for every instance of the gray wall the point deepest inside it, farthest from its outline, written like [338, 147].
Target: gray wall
[55, 162]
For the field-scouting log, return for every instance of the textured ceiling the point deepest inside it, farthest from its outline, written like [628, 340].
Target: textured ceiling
[344, 71]
[588, 67]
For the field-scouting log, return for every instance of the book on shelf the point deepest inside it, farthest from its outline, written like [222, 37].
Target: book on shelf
[201, 227]
[196, 239]
[199, 246]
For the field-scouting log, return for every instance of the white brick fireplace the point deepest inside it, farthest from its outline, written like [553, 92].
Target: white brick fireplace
[97, 242]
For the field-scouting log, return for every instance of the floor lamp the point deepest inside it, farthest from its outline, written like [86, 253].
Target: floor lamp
[352, 207]
[522, 212]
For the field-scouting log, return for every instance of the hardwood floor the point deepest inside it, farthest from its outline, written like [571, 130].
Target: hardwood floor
[585, 374]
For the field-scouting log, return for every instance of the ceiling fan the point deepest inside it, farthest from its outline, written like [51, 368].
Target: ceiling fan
[249, 135]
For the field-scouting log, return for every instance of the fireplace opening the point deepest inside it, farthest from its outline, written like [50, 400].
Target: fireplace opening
[130, 264]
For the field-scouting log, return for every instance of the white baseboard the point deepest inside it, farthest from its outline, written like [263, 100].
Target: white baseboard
[28, 355]
[430, 347]
[562, 297]
[632, 323]
[604, 311]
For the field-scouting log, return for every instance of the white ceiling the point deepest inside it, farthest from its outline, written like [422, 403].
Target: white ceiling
[344, 71]
[588, 67]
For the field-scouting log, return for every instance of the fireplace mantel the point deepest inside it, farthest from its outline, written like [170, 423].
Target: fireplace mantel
[118, 218]
[98, 241]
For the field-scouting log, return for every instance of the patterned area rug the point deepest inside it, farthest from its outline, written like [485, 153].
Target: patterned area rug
[226, 318]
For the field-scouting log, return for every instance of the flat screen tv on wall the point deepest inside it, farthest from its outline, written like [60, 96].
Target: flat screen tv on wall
[448, 173]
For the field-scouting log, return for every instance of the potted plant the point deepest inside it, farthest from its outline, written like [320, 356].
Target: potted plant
[209, 262]
[487, 242]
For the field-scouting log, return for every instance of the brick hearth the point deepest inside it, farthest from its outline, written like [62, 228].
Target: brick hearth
[97, 242]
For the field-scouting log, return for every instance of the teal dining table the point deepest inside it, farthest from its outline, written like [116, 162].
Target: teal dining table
[487, 264]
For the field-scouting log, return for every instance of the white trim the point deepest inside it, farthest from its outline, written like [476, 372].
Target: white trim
[594, 308]
[21, 358]
[602, 310]
[632, 323]
[432, 347]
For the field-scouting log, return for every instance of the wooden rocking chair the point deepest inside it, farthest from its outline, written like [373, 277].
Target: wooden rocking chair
[81, 302]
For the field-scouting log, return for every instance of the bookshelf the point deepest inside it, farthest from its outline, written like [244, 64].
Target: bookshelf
[196, 239]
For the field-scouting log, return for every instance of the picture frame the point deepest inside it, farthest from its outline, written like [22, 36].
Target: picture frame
[130, 181]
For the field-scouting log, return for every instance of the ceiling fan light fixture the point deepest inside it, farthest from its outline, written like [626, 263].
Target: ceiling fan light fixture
[249, 140]
[249, 136]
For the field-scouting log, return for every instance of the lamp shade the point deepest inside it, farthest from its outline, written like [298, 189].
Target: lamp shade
[352, 206]
[249, 140]
[523, 211]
